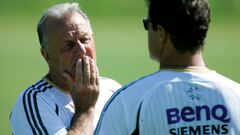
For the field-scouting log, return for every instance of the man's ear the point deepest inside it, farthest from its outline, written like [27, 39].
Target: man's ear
[45, 54]
[163, 35]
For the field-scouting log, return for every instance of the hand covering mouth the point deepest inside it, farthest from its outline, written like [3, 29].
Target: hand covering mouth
[72, 71]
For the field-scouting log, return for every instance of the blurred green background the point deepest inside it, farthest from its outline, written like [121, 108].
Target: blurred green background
[120, 40]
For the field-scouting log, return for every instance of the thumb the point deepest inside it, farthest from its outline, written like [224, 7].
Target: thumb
[68, 78]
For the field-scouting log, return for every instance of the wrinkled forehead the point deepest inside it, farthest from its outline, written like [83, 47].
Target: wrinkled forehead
[69, 24]
[77, 30]
[76, 21]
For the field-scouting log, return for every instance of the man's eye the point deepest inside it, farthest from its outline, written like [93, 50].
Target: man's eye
[70, 45]
[86, 40]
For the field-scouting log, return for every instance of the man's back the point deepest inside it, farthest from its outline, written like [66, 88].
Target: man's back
[192, 104]
[175, 102]
[190, 101]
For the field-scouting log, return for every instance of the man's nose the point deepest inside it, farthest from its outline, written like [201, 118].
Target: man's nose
[80, 50]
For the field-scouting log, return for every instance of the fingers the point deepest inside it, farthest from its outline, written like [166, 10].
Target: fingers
[68, 78]
[86, 72]
[94, 77]
[86, 87]
[97, 75]
[79, 72]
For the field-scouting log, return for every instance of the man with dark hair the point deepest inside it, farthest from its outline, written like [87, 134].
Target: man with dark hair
[184, 97]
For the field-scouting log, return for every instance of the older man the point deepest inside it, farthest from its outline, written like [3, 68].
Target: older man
[59, 102]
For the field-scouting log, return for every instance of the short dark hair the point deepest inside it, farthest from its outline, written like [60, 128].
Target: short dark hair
[187, 21]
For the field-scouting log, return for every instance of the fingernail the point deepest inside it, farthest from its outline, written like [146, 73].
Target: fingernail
[79, 61]
[92, 61]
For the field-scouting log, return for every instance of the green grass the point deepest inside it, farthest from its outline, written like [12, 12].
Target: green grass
[121, 48]
[222, 48]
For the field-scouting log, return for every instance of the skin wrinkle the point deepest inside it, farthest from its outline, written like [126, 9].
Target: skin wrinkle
[75, 30]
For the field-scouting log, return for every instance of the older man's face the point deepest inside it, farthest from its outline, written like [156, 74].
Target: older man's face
[70, 39]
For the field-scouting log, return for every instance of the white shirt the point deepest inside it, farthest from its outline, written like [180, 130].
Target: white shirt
[43, 109]
[174, 103]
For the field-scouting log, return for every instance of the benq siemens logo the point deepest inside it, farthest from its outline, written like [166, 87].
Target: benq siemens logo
[199, 114]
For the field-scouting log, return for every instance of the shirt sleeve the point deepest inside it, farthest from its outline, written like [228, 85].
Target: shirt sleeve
[33, 115]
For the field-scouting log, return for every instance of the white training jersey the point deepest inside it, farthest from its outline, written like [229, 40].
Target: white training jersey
[43, 109]
[174, 102]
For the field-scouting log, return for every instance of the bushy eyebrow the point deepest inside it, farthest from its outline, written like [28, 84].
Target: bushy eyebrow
[85, 33]
[81, 33]
[72, 40]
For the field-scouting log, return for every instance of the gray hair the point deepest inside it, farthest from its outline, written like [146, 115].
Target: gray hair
[57, 11]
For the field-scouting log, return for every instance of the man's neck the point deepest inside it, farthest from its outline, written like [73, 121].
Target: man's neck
[176, 60]
[59, 81]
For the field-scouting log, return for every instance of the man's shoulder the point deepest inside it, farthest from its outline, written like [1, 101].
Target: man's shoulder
[224, 81]
[107, 79]
[109, 84]
[34, 92]
[124, 104]
[142, 83]
[40, 86]
[136, 89]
